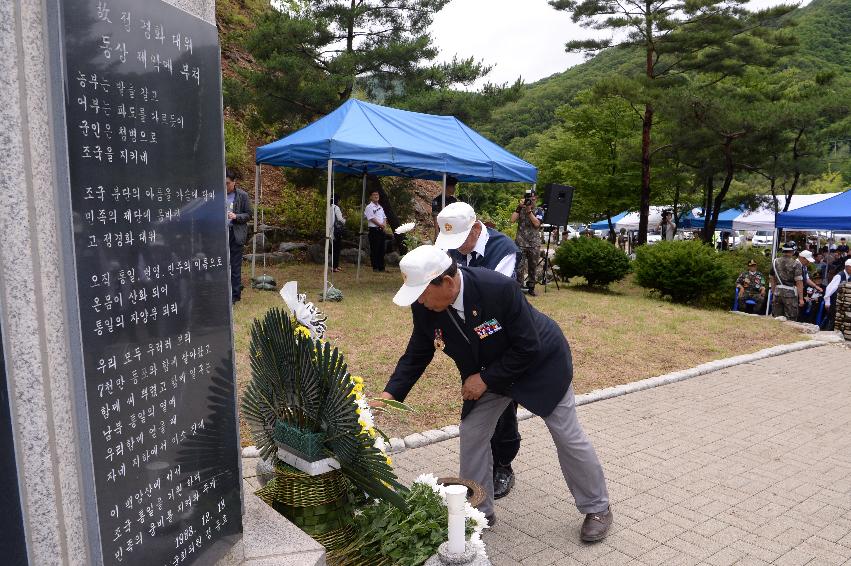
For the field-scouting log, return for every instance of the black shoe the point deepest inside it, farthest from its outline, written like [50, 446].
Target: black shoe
[596, 526]
[532, 293]
[503, 481]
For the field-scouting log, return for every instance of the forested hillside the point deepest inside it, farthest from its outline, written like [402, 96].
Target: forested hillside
[785, 125]
[824, 31]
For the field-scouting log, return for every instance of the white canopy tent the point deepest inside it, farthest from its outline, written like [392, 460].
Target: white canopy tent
[763, 218]
[630, 221]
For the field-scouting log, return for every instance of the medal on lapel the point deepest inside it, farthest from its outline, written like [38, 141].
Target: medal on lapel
[439, 344]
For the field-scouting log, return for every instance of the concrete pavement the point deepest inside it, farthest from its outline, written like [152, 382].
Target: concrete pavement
[747, 465]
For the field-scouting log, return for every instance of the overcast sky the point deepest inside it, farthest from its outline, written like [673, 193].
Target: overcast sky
[521, 38]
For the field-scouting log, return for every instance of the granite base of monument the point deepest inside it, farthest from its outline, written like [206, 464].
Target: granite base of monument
[268, 538]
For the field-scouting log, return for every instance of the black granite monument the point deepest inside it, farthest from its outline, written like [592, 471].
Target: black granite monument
[146, 198]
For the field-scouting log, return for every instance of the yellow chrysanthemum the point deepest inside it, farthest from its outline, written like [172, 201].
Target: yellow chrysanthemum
[389, 461]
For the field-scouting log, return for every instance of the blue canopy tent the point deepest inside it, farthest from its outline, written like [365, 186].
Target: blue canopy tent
[604, 224]
[725, 219]
[367, 139]
[830, 214]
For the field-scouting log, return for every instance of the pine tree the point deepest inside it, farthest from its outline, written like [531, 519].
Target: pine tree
[718, 38]
[311, 55]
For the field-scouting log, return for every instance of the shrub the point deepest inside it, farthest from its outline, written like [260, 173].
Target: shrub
[598, 261]
[734, 263]
[687, 271]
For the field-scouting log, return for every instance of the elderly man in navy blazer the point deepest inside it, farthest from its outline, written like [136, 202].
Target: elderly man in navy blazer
[504, 350]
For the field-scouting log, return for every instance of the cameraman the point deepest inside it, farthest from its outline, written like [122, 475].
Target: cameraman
[528, 217]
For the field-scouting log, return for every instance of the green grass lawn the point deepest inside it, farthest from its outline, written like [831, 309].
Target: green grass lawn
[616, 337]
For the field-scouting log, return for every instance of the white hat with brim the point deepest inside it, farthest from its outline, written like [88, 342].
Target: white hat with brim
[848, 263]
[455, 222]
[807, 255]
[419, 267]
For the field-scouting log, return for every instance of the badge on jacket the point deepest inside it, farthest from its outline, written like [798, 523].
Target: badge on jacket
[487, 328]
[439, 344]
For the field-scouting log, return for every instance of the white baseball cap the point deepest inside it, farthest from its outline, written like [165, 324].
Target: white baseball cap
[847, 262]
[807, 255]
[455, 222]
[419, 267]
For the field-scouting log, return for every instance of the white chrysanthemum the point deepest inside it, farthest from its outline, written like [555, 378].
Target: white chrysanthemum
[431, 481]
[304, 311]
[380, 443]
[479, 520]
[366, 418]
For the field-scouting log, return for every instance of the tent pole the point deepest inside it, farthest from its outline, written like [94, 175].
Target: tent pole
[773, 257]
[443, 198]
[327, 226]
[333, 223]
[360, 223]
[256, 206]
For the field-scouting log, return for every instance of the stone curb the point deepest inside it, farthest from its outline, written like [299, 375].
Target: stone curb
[420, 439]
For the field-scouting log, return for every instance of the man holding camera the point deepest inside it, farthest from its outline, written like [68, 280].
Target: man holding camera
[528, 217]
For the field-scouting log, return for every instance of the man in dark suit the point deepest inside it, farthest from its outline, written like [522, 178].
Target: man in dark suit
[504, 350]
[238, 215]
[470, 243]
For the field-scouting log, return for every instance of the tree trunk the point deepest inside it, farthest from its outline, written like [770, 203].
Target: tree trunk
[611, 226]
[795, 179]
[675, 212]
[350, 46]
[773, 186]
[709, 187]
[646, 126]
[729, 172]
[644, 202]
[796, 155]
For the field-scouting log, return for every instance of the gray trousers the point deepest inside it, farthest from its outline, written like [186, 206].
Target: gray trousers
[579, 464]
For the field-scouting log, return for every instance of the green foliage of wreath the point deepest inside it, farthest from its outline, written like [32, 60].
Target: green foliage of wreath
[305, 383]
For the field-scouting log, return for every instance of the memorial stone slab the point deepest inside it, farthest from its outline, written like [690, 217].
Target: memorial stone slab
[146, 203]
[12, 541]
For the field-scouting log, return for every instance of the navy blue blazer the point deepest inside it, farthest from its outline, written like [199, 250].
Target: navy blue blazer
[519, 352]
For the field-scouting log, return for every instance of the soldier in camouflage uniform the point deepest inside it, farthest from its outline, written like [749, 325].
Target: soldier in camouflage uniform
[528, 218]
[751, 285]
[787, 284]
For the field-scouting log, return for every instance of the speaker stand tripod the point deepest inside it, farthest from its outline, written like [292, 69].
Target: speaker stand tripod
[548, 267]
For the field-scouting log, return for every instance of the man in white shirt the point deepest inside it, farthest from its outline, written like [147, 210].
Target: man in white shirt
[843, 276]
[376, 220]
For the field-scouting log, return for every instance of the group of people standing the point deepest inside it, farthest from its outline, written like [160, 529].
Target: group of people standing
[796, 292]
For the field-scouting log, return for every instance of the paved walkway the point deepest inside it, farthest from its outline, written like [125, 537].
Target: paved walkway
[748, 465]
